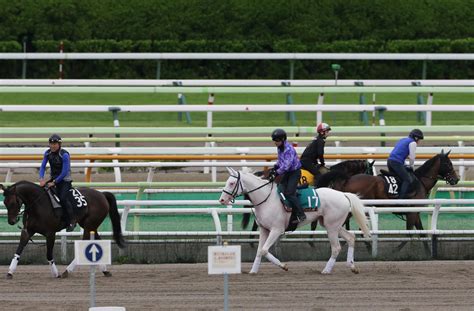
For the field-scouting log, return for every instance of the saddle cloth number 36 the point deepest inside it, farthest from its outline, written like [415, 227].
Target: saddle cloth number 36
[80, 199]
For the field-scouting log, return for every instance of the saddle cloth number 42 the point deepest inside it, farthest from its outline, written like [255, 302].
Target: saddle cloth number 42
[392, 184]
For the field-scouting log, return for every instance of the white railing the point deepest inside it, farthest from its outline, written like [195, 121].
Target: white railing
[229, 210]
[152, 166]
[228, 82]
[241, 56]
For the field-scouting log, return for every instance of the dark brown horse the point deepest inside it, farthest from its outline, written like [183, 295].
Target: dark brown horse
[373, 187]
[39, 216]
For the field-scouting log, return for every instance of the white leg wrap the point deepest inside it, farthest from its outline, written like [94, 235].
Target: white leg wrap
[350, 255]
[256, 264]
[13, 264]
[54, 269]
[102, 268]
[329, 265]
[273, 259]
[71, 266]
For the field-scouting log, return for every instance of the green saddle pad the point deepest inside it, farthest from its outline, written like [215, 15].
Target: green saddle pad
[308, 198]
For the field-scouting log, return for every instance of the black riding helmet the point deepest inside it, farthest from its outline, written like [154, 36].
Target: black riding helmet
[279, 135]
[416, 134]
[55, 138]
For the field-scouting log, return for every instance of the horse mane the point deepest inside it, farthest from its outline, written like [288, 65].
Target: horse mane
[426, 167]
[349, 165]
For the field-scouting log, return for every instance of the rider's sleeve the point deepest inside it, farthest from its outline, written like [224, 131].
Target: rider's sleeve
[43, 165]
[65, 169]
[412, 154]
[320, 151]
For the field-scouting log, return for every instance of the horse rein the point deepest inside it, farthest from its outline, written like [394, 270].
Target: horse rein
[238, 185]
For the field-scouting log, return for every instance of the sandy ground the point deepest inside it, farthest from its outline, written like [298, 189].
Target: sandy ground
[405, 286]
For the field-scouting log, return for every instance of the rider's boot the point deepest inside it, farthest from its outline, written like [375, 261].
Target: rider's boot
[70, 216]
[300, 215]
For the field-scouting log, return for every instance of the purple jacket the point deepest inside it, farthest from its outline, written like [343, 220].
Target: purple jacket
[287, 159]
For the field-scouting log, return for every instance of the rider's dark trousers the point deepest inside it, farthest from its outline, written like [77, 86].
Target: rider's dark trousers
[288, 184]
[311, 167]
[400, 171]
[62, 189]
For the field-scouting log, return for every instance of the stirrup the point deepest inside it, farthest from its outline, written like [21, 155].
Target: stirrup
[70, 227]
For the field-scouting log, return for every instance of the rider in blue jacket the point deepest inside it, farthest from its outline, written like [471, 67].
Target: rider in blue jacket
[288, 166]
[60, 166]
[404, 148]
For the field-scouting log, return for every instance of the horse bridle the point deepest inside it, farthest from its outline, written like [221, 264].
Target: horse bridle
[238, 184]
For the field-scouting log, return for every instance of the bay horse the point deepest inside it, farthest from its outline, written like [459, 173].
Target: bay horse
[39, 216]
[272, 217]
[437, 168]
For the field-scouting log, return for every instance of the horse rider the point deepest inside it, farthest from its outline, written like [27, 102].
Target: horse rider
[60, 165]
[288, 166]
[405, 147]
[315, 151]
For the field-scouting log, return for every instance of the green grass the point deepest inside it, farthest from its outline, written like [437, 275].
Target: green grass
[27, 119]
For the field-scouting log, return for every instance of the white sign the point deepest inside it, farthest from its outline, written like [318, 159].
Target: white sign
[224, 259]
[96, 252]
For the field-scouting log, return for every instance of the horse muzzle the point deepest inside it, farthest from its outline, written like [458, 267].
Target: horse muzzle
[12, 221]
[453, 181]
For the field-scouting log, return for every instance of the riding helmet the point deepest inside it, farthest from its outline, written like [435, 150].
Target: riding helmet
[416, 134]
[323, 127]
[55, 138]
[279, 135]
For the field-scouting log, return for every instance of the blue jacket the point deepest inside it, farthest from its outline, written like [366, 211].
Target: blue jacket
[401, 150]
[287, 159]
[60, 165]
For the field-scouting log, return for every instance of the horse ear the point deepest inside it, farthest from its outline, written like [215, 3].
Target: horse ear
[448, 153]
[230, 170]
[442, 151]
[372, 163]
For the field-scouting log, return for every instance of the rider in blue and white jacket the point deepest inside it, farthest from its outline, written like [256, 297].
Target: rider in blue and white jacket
[288, 166]
[405, 148]
[60, 166]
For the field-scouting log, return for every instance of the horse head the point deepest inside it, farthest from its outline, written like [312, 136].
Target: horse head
[446, 169]
[233, 187]
[12, 202]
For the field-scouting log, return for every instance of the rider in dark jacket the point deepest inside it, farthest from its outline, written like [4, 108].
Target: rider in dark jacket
[60, 166]
[404, 148]
[288, 166]
[315, 151]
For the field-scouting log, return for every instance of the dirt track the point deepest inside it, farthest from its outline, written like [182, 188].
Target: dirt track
[434, 285]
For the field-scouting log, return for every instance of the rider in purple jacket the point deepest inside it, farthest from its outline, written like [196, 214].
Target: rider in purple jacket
[288, 166]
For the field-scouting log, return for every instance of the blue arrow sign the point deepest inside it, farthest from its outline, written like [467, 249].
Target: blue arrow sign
[93, 252]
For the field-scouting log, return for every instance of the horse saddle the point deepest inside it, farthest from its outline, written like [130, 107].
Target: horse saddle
[307, 197]
[392, 183]
[76, 198]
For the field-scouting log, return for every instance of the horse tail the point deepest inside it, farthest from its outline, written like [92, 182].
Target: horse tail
[115, 219]
[357, 210]
[326, 180]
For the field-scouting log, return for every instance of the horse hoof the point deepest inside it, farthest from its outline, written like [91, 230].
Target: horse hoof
[9, 276]
[107, 273]
[355, 270]
[325, 272]
[252, 273]
[65, 275]
[285, 267]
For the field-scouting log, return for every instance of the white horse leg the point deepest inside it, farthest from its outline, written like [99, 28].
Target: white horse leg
[335, 249]
[103, 269]
[54, 269]
[69, 269]
[13, 265]
[258, 258]
[272, 238]
[350, 239]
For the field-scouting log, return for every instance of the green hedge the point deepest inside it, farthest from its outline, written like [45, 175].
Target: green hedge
[232, 69]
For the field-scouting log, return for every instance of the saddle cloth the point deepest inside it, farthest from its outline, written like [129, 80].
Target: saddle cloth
[308, 199]
[392, 183]
[76, 198]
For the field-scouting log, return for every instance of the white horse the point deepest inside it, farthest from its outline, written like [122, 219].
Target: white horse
[272, 217]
